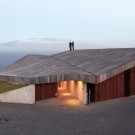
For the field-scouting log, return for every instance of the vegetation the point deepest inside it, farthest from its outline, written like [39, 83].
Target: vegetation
[5, 86]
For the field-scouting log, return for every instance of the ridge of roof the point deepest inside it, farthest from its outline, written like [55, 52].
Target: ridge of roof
[74, 66]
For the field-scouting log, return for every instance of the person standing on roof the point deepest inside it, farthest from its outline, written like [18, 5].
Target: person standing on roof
[70, 46]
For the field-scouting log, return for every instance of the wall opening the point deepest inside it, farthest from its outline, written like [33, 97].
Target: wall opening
[63, 87]
[74, 88]
[127, 83]
[90, 93]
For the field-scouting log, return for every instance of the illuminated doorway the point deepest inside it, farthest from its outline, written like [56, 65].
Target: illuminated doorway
[76, 89]
[63, 87]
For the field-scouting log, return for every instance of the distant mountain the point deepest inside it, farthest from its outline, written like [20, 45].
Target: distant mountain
[53, 45]
[7, 58]
[35, 45]
[11, 51]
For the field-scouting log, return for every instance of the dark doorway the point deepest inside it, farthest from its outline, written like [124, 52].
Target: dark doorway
[127, 83]
[90, 93]
[132, 81]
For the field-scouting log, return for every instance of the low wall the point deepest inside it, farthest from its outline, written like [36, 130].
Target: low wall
[79, 90]
[24, 95]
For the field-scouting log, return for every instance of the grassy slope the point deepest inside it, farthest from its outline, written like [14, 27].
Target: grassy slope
[4, 86]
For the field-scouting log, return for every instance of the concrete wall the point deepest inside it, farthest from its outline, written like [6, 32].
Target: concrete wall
[24, 95]
[79, 90]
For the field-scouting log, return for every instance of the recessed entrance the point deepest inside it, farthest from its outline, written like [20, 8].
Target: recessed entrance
[76, 89]
[90, 93]
[63, 88]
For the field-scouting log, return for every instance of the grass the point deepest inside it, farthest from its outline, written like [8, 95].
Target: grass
[5, 86]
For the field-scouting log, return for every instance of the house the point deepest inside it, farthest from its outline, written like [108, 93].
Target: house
[91, 75]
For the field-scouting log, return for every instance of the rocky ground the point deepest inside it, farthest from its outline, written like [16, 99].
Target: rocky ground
[67, 116]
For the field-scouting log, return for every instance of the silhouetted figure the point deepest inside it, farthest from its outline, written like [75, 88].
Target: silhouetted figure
[70, 46]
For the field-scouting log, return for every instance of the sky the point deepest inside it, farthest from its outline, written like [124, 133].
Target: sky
[102, 22]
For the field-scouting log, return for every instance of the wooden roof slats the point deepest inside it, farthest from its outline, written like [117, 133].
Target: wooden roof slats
[88, 65]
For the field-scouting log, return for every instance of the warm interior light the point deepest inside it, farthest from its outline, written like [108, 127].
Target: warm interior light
[66, 94]
[62, 86]
[73, 102]
[68, 90]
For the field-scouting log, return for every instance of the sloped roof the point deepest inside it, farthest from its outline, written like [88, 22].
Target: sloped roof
[91, 65]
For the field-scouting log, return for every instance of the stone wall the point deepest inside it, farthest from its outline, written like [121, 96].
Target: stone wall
[24, 95]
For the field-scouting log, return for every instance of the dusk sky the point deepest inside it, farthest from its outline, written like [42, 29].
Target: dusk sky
[102, 22]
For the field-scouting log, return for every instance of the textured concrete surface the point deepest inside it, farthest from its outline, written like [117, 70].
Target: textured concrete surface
[24, 95]
[67, 116]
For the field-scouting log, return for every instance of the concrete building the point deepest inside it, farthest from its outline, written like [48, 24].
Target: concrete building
[90, 75]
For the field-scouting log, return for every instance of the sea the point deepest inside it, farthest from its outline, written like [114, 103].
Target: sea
[7, 58]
